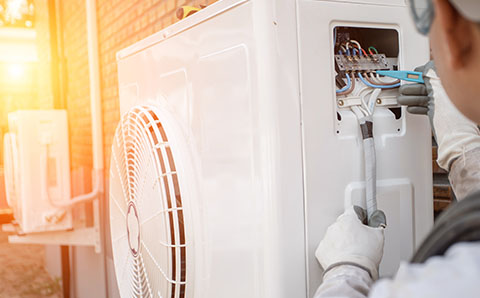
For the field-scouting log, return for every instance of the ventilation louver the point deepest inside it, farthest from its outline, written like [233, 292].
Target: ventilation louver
[146, 210]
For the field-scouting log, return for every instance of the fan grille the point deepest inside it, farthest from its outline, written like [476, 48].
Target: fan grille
[151, 251]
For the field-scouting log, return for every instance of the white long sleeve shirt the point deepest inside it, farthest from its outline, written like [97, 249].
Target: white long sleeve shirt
[456, 274]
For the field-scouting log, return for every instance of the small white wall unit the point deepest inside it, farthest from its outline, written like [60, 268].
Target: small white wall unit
[233, 155]
[37, 149]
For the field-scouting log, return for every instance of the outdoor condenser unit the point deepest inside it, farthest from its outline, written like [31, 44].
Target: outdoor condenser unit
[37, 169]
[236, 150]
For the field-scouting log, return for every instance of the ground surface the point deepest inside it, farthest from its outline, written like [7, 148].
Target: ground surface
[22, 274]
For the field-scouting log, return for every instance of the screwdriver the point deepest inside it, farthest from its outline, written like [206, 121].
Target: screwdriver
[405, 75]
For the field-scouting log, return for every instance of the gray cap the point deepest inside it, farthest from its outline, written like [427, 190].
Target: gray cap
[470, 9]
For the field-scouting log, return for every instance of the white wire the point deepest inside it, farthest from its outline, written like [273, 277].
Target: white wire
[372, 101]
[357, 43]
[358, 112]
[370, 105]
[378, 79]
[362, 94]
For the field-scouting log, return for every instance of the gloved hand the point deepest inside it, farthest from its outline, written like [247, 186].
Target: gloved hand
[454, 133]
[349, 242]
[419, 97]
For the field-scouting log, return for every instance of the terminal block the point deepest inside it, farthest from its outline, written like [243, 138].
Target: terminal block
[348, 63]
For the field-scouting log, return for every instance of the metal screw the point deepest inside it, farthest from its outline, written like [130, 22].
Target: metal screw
[379, 101]
[340, 102]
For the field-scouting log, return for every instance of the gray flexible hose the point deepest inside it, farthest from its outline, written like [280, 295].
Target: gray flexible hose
[366, 126]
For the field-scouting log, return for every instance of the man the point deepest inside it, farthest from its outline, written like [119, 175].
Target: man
[351, 251]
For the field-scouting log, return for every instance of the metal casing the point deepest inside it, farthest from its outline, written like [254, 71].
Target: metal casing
[40, 172]
[248, 86]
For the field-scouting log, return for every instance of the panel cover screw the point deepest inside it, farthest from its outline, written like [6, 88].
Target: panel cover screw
[340, 102]
[379, 101]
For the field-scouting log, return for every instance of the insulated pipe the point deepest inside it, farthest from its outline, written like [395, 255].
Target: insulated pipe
[366, 128]
[94, 76]
[95, 110]
[95, 105]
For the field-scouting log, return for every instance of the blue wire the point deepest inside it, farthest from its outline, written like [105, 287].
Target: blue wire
[348, 52]
[349, 84]
[340, 52]
[354, 51]
[377, 86]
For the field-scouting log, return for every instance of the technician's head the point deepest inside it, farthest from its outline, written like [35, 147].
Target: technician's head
[454, 30]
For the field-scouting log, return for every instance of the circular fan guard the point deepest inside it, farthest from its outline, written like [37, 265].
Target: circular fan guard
[146, 209]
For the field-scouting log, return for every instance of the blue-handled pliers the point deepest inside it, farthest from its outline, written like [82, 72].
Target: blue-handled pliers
[405, 75]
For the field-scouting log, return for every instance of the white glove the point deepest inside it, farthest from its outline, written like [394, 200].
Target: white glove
[349, 242]
[455, 134]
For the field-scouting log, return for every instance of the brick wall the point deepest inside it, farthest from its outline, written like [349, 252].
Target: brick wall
[72, 21]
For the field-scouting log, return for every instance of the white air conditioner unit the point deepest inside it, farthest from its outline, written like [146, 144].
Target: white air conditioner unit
[234, 153]
[37, 169]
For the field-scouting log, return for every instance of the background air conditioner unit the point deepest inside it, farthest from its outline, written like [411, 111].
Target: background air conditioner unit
[234, 153]
[37, 169]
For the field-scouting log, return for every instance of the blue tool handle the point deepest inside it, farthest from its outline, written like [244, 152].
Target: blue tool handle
[404, 75]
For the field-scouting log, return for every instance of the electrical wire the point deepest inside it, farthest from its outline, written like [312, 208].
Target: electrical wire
[364, 114]
[376, 81]
[347, 87]
[377, 85]
[360, 49]
[348, 46]
[370, 50]
[378, 78]
[350, 90]
[371, 78]
[354, 42]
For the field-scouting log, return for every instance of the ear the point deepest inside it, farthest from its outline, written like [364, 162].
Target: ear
[457, 32]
